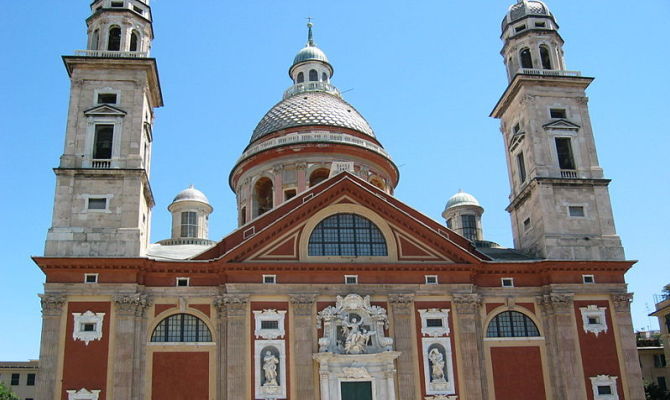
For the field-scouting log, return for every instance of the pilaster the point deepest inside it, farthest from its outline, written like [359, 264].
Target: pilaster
[402, 312]
[236, 308]
[222, 320]
[567, 373]
[632, 374]
[302, 332]
[129, 346]
[469, 335]
[52, 310]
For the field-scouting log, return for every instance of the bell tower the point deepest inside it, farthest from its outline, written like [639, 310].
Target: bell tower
[103, 198]
[559, 201]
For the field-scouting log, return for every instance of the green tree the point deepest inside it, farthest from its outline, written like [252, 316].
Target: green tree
[6, 394]
[653, 392]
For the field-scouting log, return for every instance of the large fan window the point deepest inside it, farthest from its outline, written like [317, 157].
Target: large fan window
[347, 235]
[181, 328]
[512, 324]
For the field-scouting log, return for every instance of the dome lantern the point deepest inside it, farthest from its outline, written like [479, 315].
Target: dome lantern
[463, 214]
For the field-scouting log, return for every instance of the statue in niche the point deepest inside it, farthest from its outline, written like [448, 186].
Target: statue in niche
[356, 336]
[270, 369]
[437, 365]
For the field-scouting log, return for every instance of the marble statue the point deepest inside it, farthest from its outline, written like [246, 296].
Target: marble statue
[357, 337]
[437, 368]
[270, 369]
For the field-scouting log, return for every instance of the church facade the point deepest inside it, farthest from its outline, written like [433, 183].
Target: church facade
[330, 288]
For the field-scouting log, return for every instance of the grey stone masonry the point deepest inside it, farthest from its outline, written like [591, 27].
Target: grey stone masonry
[567, 374]
[631, 365]
[303, 334]
[469, 336]
[52, 309]
[402, 314]
[237, 353]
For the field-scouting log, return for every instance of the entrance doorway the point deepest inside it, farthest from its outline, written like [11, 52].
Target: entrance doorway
[356, 390]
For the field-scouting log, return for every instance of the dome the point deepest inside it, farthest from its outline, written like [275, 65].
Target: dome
[310, 53]
[191, 194]
[462, 199]
[525, 8]
[311, 108]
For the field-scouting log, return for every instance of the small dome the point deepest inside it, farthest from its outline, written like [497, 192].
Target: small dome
[524, 8]
[462, 199]
[311, 108]
[310, 53]
[191, 194]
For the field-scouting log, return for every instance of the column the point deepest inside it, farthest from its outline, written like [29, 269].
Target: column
[303, 345]
[52, 307]
[219, 304]
[402, 309]
[469, 339]
[236, 351]
[631, 368]
[567, 373]
[129, 310]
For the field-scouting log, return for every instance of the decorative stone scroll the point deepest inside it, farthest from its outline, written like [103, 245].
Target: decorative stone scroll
[302, 303]
[604, 387]
[52, 304]
[593, 319]
[87, 326]
[269, 324]
[467, 303]
[232, 305]
[557, 302]
[353, 326]
[438, 366]
[622, 302]
[270, 369]
[402, 303]
[83, 394]
[134, 304]
[434, 322]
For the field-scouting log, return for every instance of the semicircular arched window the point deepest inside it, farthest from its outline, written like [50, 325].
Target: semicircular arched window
[347, 235]
[181, 328]
[512, 324]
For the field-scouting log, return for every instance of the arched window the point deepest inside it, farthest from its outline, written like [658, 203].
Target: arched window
[114, 42]
[263, 196]
[181, 328]
[134, 39]
[512, 324]
[324, 77]
[347, 235]
[318, 176]
[526, 60]
[313, 75]
[95, 40]
[546, 59]
[301, 77]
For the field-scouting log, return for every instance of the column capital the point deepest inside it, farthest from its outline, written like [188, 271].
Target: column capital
[557, 302]
[468, 303]
[52, 304]
[622, 301]
[132, 304]
[401, 303]
[232, 305]
[302, 303]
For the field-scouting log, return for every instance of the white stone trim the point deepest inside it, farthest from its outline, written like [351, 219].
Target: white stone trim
[83, 394]
[117, 137]
[89, 317]
[87, 196]
[435, 387]
[269, 315]
[434, 313]
[593, 311]
[604, 380]
[373, 385]
[441, 397]
[106, 90]
[270, 392]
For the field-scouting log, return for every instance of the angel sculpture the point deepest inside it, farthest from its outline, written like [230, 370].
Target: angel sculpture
[437, 368]
[356, 337]
[270, 369]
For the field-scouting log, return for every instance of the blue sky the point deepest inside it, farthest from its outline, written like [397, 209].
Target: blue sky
[425, 74]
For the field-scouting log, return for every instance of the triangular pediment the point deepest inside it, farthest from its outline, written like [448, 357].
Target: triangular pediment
[282, 234]
[561, 124]
[105, 109]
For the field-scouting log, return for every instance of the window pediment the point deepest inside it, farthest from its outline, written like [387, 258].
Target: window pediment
[561, 125]
[105, 110]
